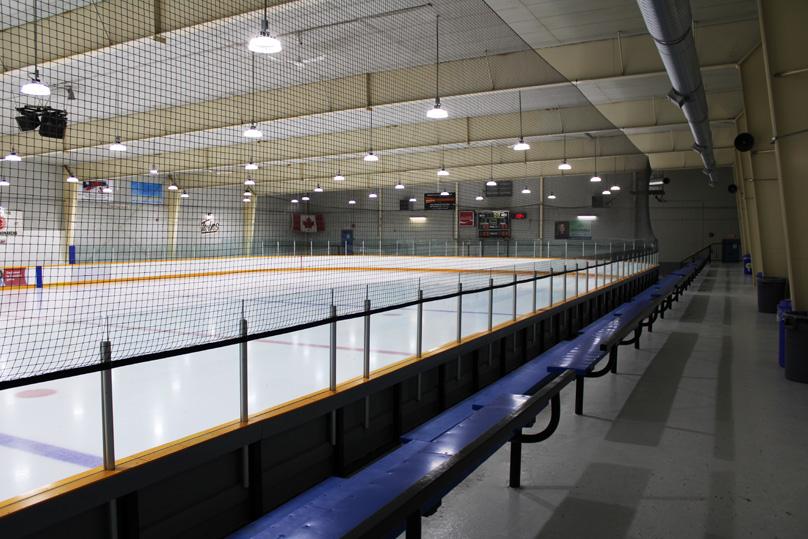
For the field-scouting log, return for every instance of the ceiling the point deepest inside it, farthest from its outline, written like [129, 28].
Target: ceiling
[184, 98]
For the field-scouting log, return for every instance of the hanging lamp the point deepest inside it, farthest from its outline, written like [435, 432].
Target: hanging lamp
[437, 112]
[264, 43]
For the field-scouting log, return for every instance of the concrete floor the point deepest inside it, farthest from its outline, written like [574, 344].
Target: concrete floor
[699, 435]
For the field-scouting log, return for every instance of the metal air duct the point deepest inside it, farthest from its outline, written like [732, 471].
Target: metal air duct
[670, 24]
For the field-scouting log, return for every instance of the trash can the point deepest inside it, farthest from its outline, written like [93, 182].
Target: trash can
[770, 290]
[796, 323]
[782, 308]
[747, 264]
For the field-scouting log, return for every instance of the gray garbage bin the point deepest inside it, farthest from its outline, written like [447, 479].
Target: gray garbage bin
[770, 290]
[796, 325]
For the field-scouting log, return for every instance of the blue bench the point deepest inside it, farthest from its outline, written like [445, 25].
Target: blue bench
[396, 490]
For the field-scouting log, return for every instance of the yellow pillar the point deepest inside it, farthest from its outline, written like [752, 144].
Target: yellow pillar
[760, 169]
[173, 205]
[248, 212]
[782, 29]
[70, 198]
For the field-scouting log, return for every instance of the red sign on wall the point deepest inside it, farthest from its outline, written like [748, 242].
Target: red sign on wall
[13, 277]
[465, 218]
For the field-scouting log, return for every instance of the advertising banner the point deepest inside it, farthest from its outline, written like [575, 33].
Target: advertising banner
[210, 224]
[573, 230]
[465, 218]
[13, 277]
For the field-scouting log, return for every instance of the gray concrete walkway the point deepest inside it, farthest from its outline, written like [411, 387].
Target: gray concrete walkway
[699, 435]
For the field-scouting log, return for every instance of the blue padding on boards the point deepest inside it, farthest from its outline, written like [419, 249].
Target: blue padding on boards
[39, 276]
[71, 254]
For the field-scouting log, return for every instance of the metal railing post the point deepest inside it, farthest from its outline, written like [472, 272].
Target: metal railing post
[459, 311]
[576, 279]
[366, 346]
[490, 303]
[419, 330]
[565, 282]
[550, 302]
[587, 276]
[514, 294]
[535, 281]
[534, 248]
[328, 248]
[332, 370]
[311, 247]
[566, 248]
[108, 422]
[242, 368]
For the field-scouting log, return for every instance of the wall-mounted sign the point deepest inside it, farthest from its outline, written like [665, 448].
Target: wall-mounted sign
[573, 230]
[465, 218]
[518, 215]
[146, 192]
[98, 190]
[10, 225]
[304, 222]
[209, 224]
[436, 201]
[494, 224]
[501, 189]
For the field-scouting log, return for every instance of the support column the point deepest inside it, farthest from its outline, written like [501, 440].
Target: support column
[173, 207]
[782, 28]
[761, 166]
[248, 216]
[746, 194]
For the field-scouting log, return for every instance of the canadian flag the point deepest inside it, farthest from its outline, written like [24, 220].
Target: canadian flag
[304, 222]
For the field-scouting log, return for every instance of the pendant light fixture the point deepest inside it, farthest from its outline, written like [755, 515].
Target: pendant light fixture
[117, 146]
[595, 178]
[4, 182]
[253, 132]
[173, 187]
[153, 171]
[264, 43]
[614, 188]
[71, 178]
[250, 166]
[338, 177]
[413, 200]
[305, 198]
[294, 201]
[246, 199]
[249, 181]
[479, 197]
[443, 171]
[12, 156]
[606, 192]
[247, 193]
[373, 195]
[184, 194]
[521, 146]
[351, 202]
[399, 185]
[526, 191]
[437, 112]
[491, 182]
[318, 189]
[551, 196]
[35, 88]
[370, 156]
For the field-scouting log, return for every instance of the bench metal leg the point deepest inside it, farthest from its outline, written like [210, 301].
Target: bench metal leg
[579, 395]
[637, 338]
[514, 480]
[613, 359]
[414, 526]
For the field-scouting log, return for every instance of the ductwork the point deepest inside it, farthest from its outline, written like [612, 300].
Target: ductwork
[670, 24]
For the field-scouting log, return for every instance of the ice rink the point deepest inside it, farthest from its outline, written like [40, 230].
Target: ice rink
[52, 430]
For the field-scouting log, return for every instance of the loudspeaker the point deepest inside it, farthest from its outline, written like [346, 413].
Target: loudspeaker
[54, 123]
[744, 142]
[732, 188]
